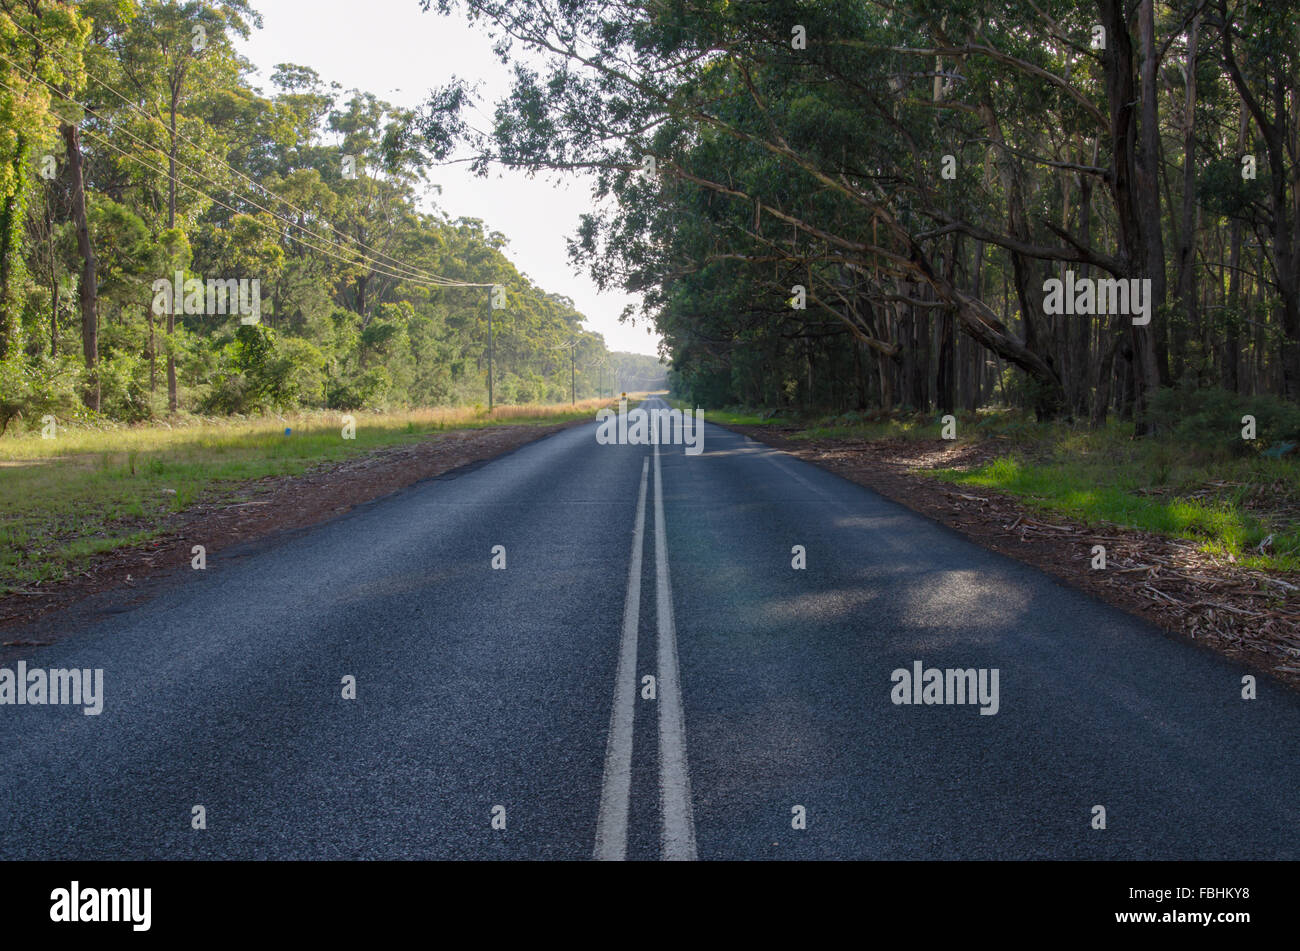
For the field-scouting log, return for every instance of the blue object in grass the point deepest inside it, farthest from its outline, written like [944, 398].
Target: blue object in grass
[288, 431]
[1280, 450]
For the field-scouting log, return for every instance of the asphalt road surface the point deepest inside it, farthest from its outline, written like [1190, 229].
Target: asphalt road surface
[505, 713]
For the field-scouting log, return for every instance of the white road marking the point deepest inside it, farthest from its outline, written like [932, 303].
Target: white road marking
[616, 787]
[677, 841]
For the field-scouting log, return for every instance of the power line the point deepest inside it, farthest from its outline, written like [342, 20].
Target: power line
[431, 279]
[424, 278]
[413, 274]
[262, 224]
[217, 159]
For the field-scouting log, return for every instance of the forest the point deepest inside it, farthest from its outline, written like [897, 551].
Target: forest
[135, 149]
[863, 204]
[832, 205]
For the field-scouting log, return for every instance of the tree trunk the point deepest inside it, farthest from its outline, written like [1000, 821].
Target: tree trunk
[173, 402]
[945, 377]
[1187, 240]
[1105, 375]
[1231, 357]
[1081, 345]
[1133, 190]
[1276, 133]
[1050, 394]
[54, 281]
[1148, 192]
[89, 274]
[11, 229]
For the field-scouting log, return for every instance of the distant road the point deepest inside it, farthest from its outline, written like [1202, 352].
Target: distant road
[523, 688]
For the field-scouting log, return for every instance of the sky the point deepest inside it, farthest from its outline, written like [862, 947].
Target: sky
[392, 49]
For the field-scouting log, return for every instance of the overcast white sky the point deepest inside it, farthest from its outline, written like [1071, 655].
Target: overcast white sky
[390, 48]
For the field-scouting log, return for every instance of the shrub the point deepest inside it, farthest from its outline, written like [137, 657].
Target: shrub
[124, 387]
[255, 374]
[1211, 418]
[32, 388]
[358, 390]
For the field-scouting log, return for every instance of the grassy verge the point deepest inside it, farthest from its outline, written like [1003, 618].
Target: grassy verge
[86, 491]
[1231, 506]
[732, 416]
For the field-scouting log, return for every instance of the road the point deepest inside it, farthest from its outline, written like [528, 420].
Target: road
[522, 688]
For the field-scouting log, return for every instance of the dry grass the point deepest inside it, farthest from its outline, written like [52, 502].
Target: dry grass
[90, 489]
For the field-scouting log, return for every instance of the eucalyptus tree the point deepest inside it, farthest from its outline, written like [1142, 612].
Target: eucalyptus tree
[41, 44]
[872, 138]
[170, 56]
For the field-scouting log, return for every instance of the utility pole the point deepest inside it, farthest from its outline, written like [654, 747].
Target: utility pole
[489, 355]
[573, 373]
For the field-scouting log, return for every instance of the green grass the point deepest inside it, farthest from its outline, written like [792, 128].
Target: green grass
[738, 418]
[735, 416]
[1105, 478]
[851, 425]
[88, 491]
[870, 429]
[985, 424]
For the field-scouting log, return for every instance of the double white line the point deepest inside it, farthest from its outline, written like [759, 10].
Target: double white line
[677, 839]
